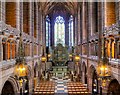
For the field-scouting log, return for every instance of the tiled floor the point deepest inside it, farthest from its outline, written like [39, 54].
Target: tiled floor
[61, 87]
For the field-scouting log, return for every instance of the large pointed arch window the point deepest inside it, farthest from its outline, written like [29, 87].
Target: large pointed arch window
[59, 31]
[71, 35]
[47, 31]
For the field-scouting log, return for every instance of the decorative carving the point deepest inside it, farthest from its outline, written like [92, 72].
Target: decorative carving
[60, 54]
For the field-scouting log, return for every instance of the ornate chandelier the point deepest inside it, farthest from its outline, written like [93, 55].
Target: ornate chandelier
[21, 68]
[103, 68]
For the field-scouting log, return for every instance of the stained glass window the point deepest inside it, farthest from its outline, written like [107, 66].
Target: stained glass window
[59, 31]
[71, 39]
[47, 31]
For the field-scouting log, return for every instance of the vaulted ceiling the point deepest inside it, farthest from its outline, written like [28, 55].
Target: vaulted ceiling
[69, 6]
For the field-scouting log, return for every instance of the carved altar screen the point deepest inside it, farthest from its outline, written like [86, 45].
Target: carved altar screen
[59, 31]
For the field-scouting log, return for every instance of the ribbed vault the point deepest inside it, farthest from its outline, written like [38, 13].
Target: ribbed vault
[69, 6]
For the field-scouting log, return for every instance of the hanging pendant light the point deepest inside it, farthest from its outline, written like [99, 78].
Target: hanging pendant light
[103, 68]
[43, 58]
[21, 68]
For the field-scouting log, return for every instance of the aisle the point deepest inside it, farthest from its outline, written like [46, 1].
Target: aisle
[61, 87]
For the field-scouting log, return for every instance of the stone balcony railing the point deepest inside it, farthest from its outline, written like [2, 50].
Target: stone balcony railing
[113, 30]
[95, 58]
[94, 37]
[7, 64]
[7, 30]
[115, 63]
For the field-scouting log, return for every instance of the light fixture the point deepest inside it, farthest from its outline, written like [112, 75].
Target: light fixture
[103, 68]
[21, 68]
[70, 57]
[49, 55]
[43, 58]
[77, 58]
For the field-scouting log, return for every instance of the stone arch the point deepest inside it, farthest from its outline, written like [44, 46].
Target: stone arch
[9, 49]
[91, 71]
[35, 69]
[13, 49]
[29, 72]
[84, 72]
[113, 87]
[10, 87]
[93, 82]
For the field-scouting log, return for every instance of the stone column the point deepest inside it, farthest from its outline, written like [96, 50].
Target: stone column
[31, 21]
[100, 27]
[83, 20]
[39, 31]
[40, 39]
[1, 50]
[90, 16]
[37, 28]
[111, 41]
[20, 16]
[43, 33]
[3, 11]
[67, 31]
[76, 30]
[18, 9]
[11, 50]
[119, 11]
[78, 26]
[6, 53]
[115, 46]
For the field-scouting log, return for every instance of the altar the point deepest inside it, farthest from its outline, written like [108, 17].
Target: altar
[59, 71]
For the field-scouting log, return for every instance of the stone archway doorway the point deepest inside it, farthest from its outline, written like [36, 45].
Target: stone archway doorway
[84, 73]
[8, 89]
[95, 83]
[114, 88]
